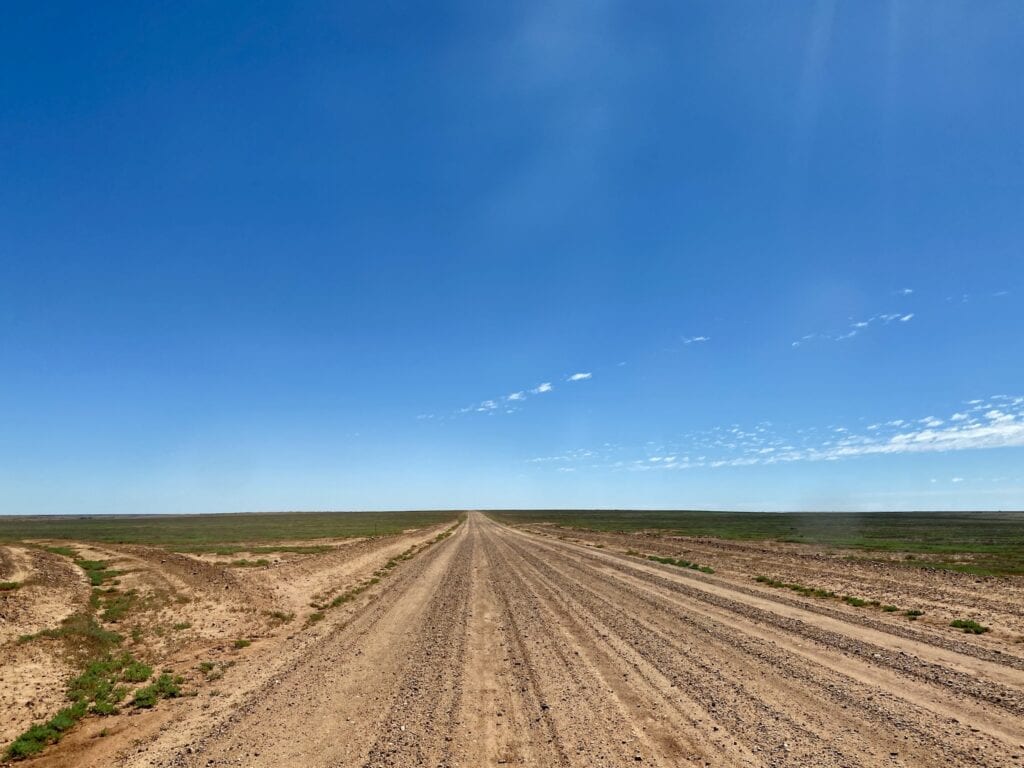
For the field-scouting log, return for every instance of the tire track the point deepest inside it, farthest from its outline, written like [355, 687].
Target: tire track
[758, 671]
[987, 690]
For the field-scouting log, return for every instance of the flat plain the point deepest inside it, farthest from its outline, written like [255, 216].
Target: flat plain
[513, 638]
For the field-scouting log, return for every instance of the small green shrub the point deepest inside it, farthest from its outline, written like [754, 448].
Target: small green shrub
[242, 643]
[969, 626]
[65, 551]
[81, 634]
[36, 738]
[118, 606]
[164, 687]
[136, 672]
[9, 586]
[97, 571]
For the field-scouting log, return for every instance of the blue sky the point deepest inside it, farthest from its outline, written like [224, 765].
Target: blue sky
[328, 255]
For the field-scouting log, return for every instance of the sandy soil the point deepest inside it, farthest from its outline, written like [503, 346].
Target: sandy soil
[31, 676]
[500, 646]
[189, 610]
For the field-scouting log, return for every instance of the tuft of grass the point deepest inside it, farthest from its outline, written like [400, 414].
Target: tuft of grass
[82, 636]
[244, 563]
[969, 626]
[63, 551]
[38, 737]
[9, 586]
[313, 618]
[242, 643]
[136, 672]
[182, 625]
[857, 602]
[164, 687]
[913, 613]
[97, 571]
[799, 588]
[116, 606]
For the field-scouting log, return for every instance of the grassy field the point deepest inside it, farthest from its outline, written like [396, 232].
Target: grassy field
[201, 532]
[974, 542]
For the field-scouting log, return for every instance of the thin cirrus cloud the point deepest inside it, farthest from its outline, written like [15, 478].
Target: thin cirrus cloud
[994, 422]
[510, 403]
[855, 328]
[507, 403]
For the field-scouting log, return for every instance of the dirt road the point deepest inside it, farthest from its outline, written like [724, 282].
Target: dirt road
[503, 647]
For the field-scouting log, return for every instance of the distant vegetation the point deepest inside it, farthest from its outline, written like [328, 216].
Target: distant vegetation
[992, 541]
[210, 533]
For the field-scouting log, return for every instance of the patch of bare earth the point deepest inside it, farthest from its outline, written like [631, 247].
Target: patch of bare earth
[185, 615]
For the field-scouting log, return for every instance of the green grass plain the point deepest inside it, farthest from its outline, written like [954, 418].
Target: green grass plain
[201, 532]
[983, 543]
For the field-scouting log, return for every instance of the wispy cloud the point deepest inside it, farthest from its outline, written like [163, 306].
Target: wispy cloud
[905, 291]
[968, 298]
[509, 403]
[855, 327]
[695, 339]
[994, 422]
